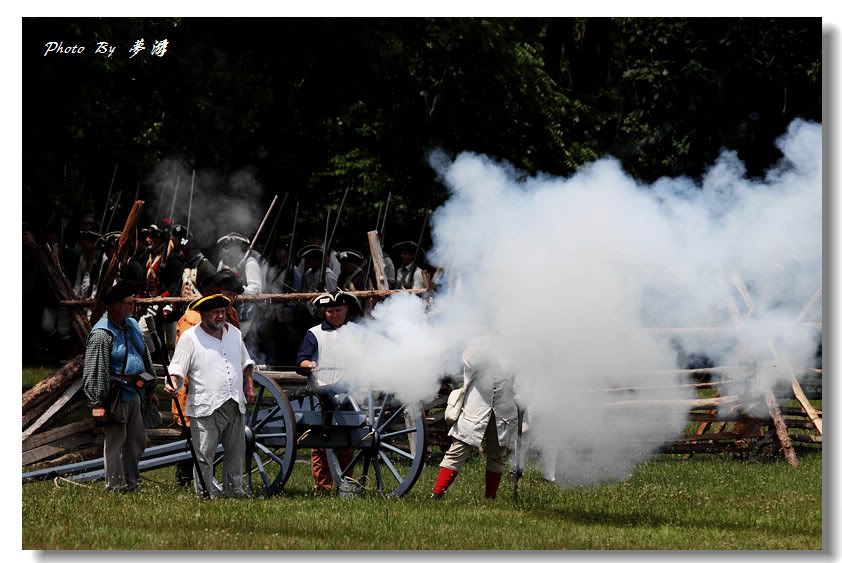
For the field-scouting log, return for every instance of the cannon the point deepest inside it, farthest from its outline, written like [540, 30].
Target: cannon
[387, 439]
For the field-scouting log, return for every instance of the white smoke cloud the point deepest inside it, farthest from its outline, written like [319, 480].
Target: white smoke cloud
[218, 206]
[571, 277]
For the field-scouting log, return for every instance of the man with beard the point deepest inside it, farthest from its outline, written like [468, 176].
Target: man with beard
[228, 284]
[118, 382]
[213, 355]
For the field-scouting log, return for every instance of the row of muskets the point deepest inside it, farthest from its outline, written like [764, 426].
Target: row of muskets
[331, 224]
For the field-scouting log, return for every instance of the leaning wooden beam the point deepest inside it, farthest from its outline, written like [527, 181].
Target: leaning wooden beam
[72, 457]
[59, 447]
[55, 383]
[270, 297]
[51, 435]
[809, 305]
[120, 252]
[772, 404]
[780, 429]
[54, 408]
[796, 388]
[59, 284]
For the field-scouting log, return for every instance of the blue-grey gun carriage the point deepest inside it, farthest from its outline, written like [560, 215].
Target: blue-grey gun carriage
[387, 439]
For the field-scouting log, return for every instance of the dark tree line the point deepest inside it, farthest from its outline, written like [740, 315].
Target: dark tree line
[319, 105]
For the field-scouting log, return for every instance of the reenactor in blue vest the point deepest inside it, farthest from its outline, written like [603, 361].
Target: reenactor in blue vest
[118, 379]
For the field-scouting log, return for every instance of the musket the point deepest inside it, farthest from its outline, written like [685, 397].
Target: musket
[113, 211]
[288, 272]
[269, 239]
[160, 202]
[107, 199]
[382, 229]
[418, 249]
[321, 286]
[190, 203]
[165, 253]
[257, 234]
[518, 470]
[165, 364]
[327, 246]
[338, 215]
[174, 195]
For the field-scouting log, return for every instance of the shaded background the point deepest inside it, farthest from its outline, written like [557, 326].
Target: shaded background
[312, 107]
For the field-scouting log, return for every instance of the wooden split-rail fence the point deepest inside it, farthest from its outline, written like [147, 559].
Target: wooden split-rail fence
[57, 428]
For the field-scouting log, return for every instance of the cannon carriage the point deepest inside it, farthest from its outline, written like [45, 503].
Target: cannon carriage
[387, 439]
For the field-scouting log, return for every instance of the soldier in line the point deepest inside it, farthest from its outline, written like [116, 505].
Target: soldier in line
[352, 271]
[232, 251]
[409, 258]
[279, 335]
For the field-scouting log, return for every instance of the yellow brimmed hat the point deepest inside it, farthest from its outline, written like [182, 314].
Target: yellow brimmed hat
[216, 301]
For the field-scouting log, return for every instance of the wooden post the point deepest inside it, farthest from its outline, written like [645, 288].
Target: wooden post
[377, 260]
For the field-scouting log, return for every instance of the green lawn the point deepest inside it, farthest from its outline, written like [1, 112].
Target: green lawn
[702, 503]
[32, 375]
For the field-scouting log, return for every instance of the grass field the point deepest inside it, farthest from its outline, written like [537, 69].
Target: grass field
[32, 375]
[668, 503]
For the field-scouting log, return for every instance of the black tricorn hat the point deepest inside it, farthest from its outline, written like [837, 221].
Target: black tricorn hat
[120, 290]
[351, 255]
[210, 302]
[233, 237]
[408, 245]
[89, 234]
[335, 299]
[109, 239]
[310, 250]
[156, 230]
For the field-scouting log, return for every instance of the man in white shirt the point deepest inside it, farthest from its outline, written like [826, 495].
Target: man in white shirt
[212, 353]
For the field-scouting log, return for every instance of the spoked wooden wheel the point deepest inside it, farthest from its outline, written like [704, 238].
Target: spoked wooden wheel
[390, 454]
[270, 439]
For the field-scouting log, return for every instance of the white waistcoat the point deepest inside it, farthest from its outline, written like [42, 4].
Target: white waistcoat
[330, 355]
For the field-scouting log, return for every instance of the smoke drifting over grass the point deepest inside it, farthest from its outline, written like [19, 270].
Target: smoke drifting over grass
[571, 277]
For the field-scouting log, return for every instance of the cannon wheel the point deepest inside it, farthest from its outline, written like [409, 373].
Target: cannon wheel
[270, 439]
[393, 457]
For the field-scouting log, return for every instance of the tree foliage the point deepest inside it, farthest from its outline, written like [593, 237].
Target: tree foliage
[316, 106]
